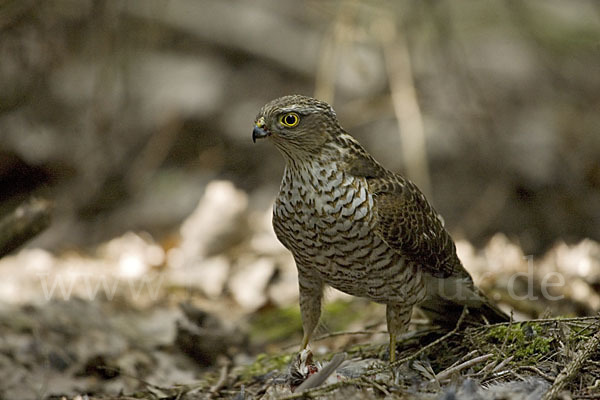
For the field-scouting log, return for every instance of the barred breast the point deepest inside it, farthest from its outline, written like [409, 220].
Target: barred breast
[324, 216]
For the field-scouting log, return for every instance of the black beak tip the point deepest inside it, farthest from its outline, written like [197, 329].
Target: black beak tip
[258, 133]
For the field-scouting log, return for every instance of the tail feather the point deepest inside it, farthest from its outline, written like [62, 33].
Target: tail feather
[448, 297]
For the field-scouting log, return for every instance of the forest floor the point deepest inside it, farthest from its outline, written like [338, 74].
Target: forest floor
[214, 313]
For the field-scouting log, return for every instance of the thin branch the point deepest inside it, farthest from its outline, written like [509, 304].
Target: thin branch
[546, 320]
[339, 333]
[571, 370]
[376, 385]
[469, 363]
[539, 372]
[347, 333]
[465, 357]
[406, 105]
[221, 382]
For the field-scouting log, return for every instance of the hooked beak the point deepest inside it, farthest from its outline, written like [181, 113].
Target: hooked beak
[259, 131]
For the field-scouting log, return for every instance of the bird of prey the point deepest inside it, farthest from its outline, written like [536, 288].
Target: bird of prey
[358, 227]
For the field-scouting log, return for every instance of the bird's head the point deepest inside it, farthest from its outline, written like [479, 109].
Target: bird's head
[299, 126]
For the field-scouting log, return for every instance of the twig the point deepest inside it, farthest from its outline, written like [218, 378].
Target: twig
[519, 376]
[340, 333]
[487, 368]
[405, 336]
[449, 371]
[222, 378]
[503, 364]
[376, 384]
[331, 48]
[344, 333]
[406, 105]
[573, 367]
[539, 372]
[495, 369]
[465, 357]
[574, 319]
[595, 386]
[585, 328]
[29, 219]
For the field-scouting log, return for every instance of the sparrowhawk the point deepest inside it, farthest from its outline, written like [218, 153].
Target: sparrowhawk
[358, 227]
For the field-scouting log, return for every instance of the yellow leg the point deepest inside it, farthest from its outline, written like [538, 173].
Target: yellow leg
[392, 347]
[305, 340]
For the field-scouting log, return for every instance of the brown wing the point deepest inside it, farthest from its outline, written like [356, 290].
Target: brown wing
[407, 222]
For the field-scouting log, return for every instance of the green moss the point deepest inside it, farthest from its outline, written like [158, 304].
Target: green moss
[276, 325]
[266, 363]
[281, 324]
[524, 341]
[339, 314]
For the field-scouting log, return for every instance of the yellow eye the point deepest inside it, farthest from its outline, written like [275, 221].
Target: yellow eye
[290, 120]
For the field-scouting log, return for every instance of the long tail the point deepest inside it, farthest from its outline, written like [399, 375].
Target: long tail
[447, 298]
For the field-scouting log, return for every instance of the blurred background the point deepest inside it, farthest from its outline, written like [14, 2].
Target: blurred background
[123, 111]
[134, 118]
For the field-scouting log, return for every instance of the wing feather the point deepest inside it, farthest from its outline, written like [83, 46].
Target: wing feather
[407, 222]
